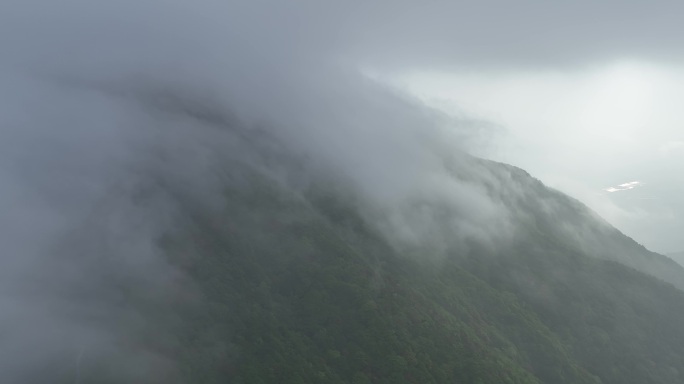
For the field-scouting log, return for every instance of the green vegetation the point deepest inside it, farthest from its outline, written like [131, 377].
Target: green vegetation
[298, 288]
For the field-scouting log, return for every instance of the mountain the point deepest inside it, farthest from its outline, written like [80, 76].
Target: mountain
[297, 276]
[677, 256]
[551, 214]
[209, 192]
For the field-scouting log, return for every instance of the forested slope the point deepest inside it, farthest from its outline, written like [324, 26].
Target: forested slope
[295, 285]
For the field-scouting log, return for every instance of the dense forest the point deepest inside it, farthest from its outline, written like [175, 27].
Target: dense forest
[262, 192]
[286, 282]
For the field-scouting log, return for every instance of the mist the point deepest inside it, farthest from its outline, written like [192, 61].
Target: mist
[115, 116]
[583, 131]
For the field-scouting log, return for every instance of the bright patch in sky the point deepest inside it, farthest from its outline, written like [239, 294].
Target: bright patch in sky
[578, 130]
[624, 187]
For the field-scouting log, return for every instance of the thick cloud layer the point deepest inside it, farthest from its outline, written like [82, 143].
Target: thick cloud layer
[506, 35]
[394, 34]
[113, 112]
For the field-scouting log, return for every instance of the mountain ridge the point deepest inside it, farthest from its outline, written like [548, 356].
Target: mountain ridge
[257, 264]
[344, 303]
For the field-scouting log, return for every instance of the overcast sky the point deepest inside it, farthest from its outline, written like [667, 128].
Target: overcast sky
[582, 94]
[585, 132]
[586, 94]
[100, 99]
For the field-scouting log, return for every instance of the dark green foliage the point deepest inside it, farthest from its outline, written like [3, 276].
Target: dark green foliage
[297, 288]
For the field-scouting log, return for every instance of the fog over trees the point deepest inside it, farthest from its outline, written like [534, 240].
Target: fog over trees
[205, 192]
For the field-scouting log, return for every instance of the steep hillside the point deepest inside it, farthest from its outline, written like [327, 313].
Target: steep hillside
[211, 192]
[300, 282]
[677, 256]
[299, 288]
[541, 211]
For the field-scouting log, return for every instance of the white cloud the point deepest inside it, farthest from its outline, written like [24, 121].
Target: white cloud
[672, 148]
[624, 186]
[578, 130]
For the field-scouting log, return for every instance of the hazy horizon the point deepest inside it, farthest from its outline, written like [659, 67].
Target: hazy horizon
[609, 136]
[573, 93]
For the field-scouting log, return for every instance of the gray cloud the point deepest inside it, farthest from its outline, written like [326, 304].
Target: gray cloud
[509, 35]
[114, 113]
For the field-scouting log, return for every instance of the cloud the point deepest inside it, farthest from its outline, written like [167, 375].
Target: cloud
[500, 34]
[623, 187]
[579, 130]
[115, 114]
[672, 148]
